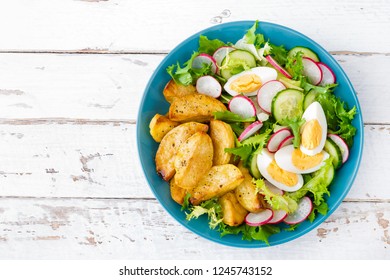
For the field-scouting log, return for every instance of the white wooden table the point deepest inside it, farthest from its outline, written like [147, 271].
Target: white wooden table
[71, 77]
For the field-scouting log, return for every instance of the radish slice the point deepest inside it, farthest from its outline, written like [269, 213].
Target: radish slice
[311, 70]
[273, 62]
[279, 127]
[267, 92]
[279, 215]
[341, 144]
[277, 138]
[258, 219]
[285, 142]
[250, 130]
[273, 189]
[262, 116]
[204, 58]
[305, 206]
[208, 85]
[243, 106]
[328, 77]
[221, 53]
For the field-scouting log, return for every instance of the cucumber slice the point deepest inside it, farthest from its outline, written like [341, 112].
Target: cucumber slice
[326, 173]
[309, 98]
[253, 169]
[236, 59]
[287, 104]
[306, 53]
[334, 151]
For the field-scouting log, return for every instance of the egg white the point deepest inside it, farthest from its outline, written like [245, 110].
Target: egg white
[283, 158]
[264, 159]
[265, 74]
[315, 112]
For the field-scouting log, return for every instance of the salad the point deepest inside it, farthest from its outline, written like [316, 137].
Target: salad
[254, 135]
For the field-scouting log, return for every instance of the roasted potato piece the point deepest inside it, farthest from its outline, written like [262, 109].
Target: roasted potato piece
[246, 193]
[233, 213]
[177, 193]
[194, 107]
[173, 90]
[160, 126]
[219, 180]
[165, 156]
[193, 160]
[223, 137]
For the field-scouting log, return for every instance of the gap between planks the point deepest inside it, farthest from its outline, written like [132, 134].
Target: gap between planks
[151, 52]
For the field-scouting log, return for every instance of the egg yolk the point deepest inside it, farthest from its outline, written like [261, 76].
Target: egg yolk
[304, 162]
[246, 83]
[311, 134]
[282, 176]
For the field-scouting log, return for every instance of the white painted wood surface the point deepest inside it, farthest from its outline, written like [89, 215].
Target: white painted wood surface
[72, 74]
[153, 26]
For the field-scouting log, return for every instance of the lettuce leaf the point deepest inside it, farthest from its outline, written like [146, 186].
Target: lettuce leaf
[243, 152]
[292, 227]
[210, 207]
[321, 209]
[209, 46]
[294, 65]
[187, 75]
[253, 144]
[338, 116]
[261, 233]
[252, 38]
[186, 202]
[319, 89]
[276, 201]
[317, 186]
[279, 53]
[295, 125]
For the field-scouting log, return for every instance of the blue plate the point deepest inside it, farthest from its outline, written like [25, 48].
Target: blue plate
[153, 102]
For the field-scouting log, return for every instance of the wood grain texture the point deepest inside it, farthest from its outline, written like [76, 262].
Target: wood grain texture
[110, 87]
[72, 74]
[73, 86]
[73, 160]
[141, 229]
[139, 26]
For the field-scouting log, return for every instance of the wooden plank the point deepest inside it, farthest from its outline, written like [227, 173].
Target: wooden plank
[104, 87]
[149, 26]
[119, 229]
[73, 160]
[73, 86]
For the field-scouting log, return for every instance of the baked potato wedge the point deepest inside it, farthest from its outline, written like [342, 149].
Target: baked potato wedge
[247, 195]
[159, 126]
[193, 160]
[177, 193]
[169, 145]
[194, 107]
[219, 180]
[223, 137]
[173, 90]
[233, 213]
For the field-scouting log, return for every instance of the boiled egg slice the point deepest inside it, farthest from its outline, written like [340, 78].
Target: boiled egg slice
[314, 130]
[280, 178]
[248, 82]
[294, 160]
